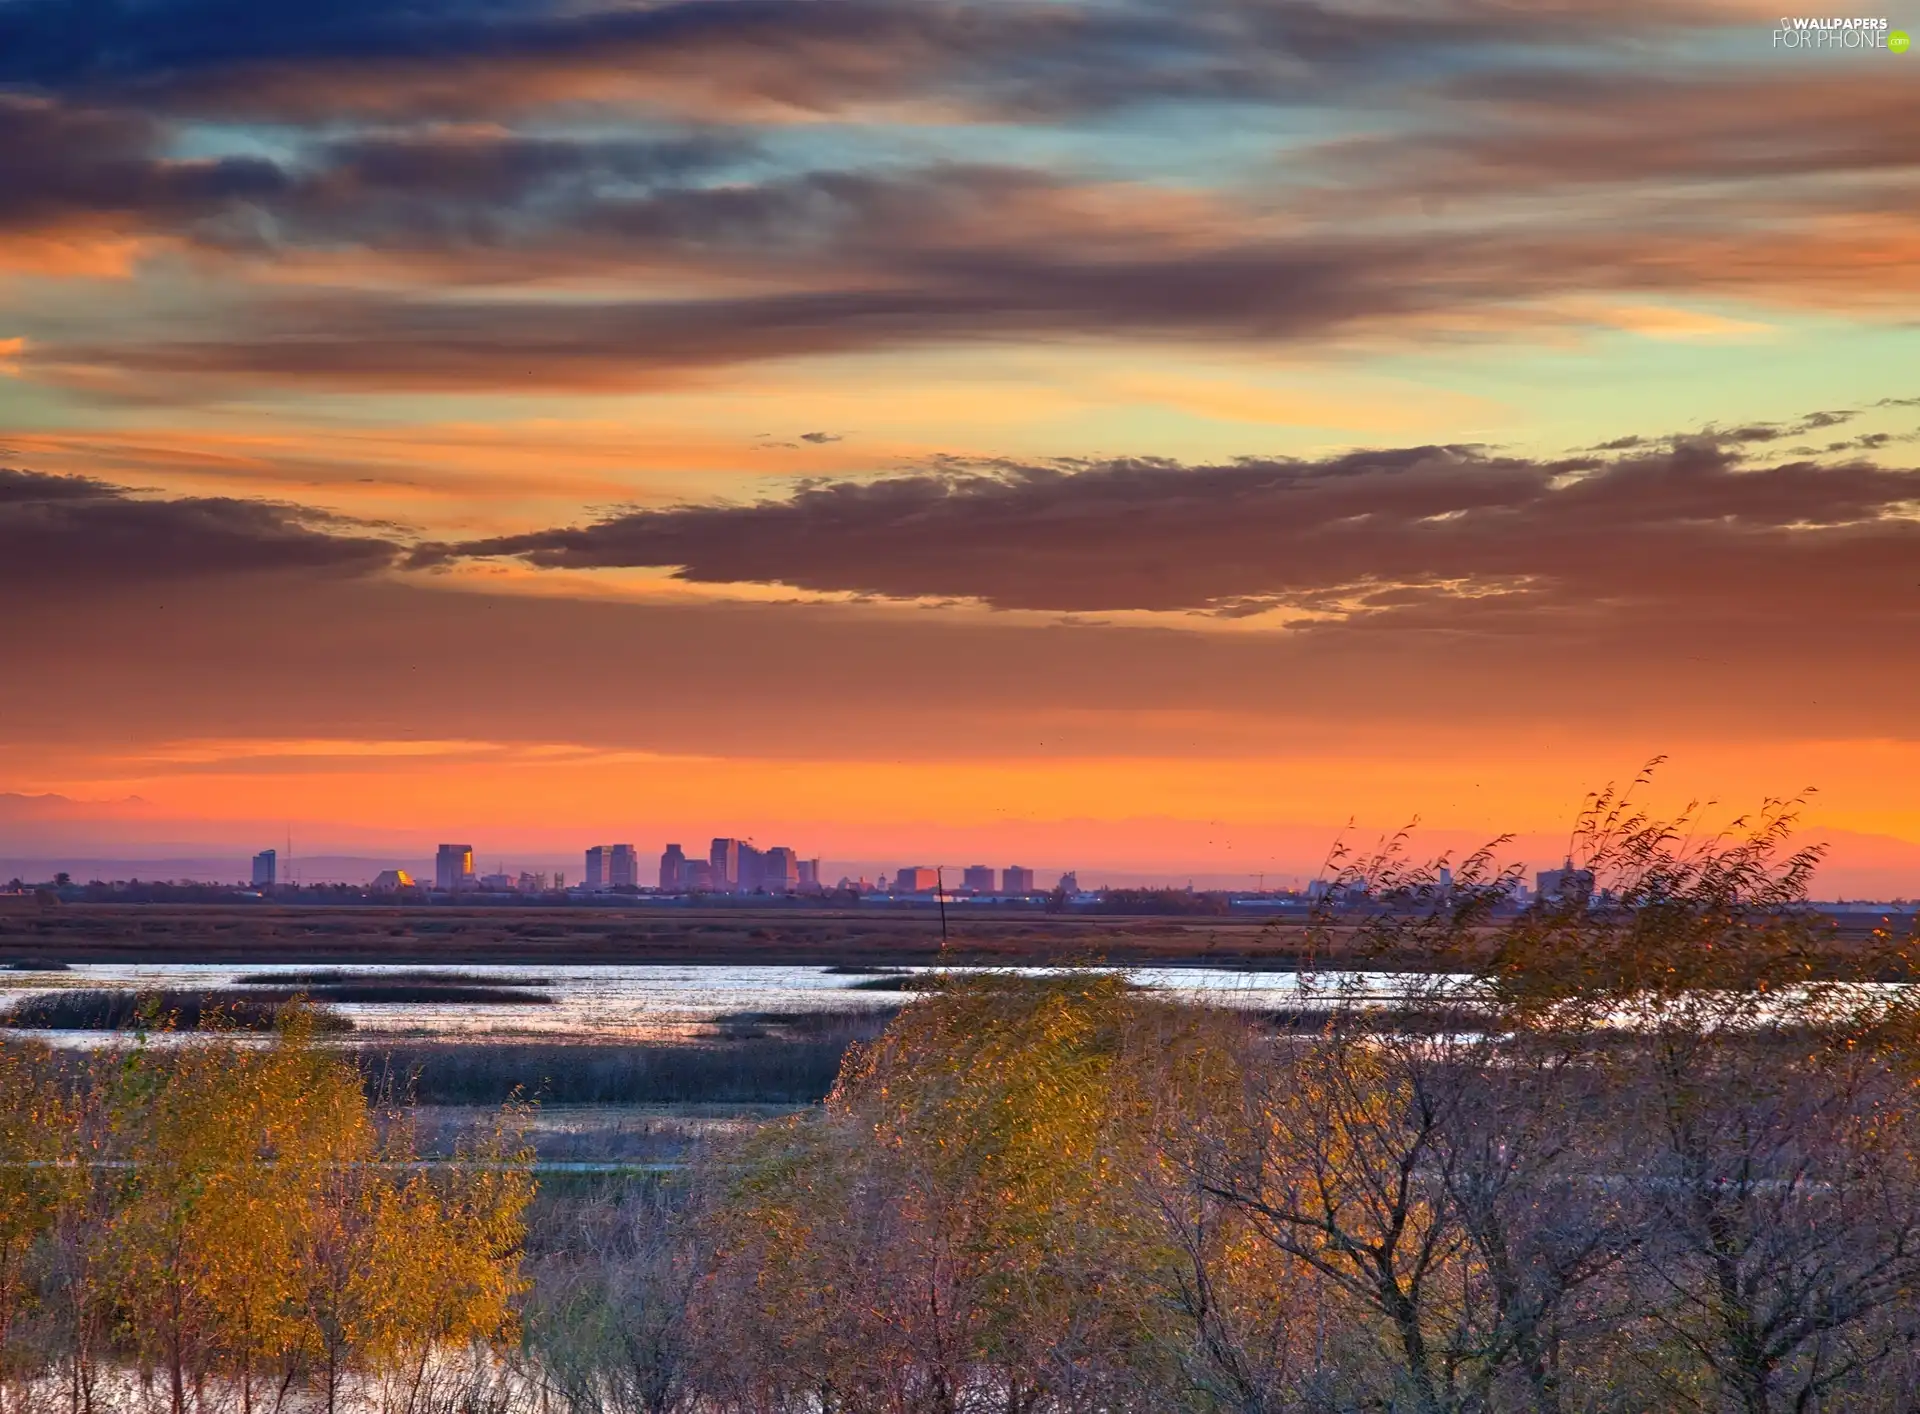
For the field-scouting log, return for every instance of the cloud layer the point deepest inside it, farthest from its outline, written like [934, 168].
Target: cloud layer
[1449, 536]
[62, 535]
[751, 181]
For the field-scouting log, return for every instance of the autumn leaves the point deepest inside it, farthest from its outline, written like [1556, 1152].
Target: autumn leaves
[213, 1214]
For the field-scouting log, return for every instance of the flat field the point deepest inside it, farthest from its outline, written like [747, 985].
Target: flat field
[436, 934]
[726, 935]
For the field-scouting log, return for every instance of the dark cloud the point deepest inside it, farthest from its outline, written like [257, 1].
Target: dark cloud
[1446, 536]
[58, 164]
[873, 268]
[1733, 197]
[69, 533]
[1012, 58]
[1549, 127]
[821, 438]
[431, 190]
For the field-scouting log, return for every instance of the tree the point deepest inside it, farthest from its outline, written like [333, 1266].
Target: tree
[956, 1223]
[39, 1126]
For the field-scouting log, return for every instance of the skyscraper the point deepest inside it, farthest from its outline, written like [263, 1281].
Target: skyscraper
[750, 876]
[623, 867]
[780, 870]
[978, 879]
[673, 870]
[725, 859]
[915, 879]
[1563, 885]
[1015, 880]
[809, 875]
[598, 867]
[697, 877]
[453, 867]
[265, 869]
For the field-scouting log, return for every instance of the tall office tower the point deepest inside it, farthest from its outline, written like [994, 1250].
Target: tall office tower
[623, 867]
[751, 876]
[453, 867]
[265, 869]
[915, 880]
[725, 859]
[978, 879]
[809, 875]
[597, 867]
[673, 870]
[1015, 880]
[1564, 884]
[780, 870]
[697, 877]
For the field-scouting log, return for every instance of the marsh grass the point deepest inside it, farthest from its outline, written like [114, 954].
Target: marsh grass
[99, 1009]
[785, 1067]
[330, 977]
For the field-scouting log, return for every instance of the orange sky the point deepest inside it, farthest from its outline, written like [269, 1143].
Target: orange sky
[1143, 442]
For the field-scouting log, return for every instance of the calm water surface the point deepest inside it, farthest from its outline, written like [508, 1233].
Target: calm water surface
[654, 1001]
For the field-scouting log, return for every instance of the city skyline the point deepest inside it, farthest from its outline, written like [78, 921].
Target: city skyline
[1312, 859]
[454, 870]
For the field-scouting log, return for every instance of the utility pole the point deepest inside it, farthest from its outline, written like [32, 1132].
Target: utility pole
[940, 893]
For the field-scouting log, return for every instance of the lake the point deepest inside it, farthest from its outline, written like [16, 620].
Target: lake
[651, 1001]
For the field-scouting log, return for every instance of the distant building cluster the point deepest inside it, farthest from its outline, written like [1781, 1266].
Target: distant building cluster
[736, 867]
[613, 866]
[975, 881]
[453, 873]
[1563, 885]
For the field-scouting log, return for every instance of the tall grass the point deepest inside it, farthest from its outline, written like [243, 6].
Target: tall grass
[791, 1068]
[408, 977]
[90, 1009]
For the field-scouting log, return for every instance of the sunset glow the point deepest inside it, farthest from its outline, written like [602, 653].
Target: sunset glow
[1142, 438]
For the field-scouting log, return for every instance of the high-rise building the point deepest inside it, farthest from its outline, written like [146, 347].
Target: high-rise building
[809, 875]
[1015, 880]
[915, 879]
[453, 867]
[1564, 884]
[725, 859]
[978, 879]
[780, 870]
[599, 867]
[623, 867]
[266, 866]
[673, 870]
[697, 878]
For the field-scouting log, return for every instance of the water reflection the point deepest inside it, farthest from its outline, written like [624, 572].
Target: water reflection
[659, 1001]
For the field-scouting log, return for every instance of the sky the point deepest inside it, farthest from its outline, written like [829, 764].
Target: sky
[1153, 436]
